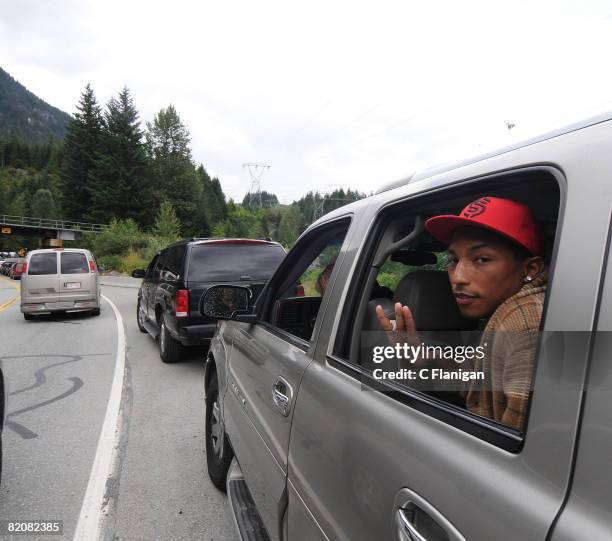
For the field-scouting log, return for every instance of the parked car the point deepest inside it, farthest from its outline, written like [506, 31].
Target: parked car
[5, 267]
[169, 299]
[17, 269]
[60, 280]
[311, 444]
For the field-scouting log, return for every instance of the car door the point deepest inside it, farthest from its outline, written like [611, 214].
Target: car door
[266, 365]
[152, 282]
[587, 512]
[42, 282]
[376, 460]
[145, 287]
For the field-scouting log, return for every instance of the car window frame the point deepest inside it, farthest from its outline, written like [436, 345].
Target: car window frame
[156, 268]
[485, 429]
[279, 280]
[151, 266]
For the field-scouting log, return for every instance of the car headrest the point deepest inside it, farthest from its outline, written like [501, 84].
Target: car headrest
[429, 296]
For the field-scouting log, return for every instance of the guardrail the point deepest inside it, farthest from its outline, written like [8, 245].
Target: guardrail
[44, 223]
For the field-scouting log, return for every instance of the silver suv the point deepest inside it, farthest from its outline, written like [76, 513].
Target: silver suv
[60, 280]
[315, 437]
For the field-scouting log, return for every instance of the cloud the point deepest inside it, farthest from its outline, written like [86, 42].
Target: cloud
[346, 93]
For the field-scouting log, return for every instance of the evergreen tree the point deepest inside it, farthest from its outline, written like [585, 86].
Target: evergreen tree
[215, 199]
[43, 204]
[120, 183]
[82, 150]
[290, 226]
[270, 220]
[211, 208]
[167, 224]
[4, 200]
[17, 205]
[171, 165]
[268, 200]
[239, 223]
[200, 222]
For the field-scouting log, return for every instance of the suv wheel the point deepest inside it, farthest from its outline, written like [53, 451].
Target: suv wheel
[141, 317]
[170, 349]
[28, 317]
[219, 453]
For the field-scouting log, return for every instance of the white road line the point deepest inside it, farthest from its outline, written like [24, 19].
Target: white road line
[90, 518]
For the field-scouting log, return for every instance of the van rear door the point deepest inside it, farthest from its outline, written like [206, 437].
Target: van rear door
[41, 284]
[77, 280]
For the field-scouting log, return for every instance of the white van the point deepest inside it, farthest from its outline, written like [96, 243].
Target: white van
[60, 280]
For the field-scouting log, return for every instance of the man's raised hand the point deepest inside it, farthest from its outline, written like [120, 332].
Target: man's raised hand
[404, 329]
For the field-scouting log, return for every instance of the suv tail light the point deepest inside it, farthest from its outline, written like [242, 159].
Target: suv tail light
[182, 303]
[92, 265]
[23, 268]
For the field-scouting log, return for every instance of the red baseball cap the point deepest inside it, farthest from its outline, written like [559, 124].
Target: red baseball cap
[504, 216]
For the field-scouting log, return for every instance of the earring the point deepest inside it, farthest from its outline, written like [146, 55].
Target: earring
[528, 278]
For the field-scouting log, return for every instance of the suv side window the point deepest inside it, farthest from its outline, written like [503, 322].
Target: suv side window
[149, 272]
[157, 267]
[471, 370]
[300, 284]
[174, 259]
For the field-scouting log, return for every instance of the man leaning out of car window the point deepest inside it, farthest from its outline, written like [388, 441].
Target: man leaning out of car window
[496, 271]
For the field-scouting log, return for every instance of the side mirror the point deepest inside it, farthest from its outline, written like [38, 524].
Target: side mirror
[138, 273]
[225, 302]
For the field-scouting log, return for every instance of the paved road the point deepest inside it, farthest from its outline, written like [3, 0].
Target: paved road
[60, 372]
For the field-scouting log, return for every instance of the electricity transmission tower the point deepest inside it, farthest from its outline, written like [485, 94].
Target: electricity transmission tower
[256, 171]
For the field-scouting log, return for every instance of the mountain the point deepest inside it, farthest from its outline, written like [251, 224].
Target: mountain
[25, 116]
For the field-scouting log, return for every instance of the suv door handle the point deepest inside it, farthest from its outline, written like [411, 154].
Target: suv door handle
[409, 529]
[282, 395]
[418, 520]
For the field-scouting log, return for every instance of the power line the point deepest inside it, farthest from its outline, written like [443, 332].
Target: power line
[319, 205]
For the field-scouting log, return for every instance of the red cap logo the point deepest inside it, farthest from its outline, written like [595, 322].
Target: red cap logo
[477, 207]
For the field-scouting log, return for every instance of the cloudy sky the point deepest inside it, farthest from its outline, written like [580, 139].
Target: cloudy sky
[328, 93]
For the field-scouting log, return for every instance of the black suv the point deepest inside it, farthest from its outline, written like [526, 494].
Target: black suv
[173, 286]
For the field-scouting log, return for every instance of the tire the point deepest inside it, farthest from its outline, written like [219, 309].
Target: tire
[219, 452]
[28, 317]
[140, 317]
[95, 312]
[170, 350]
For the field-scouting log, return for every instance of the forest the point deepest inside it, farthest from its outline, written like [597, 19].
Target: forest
[140, 181]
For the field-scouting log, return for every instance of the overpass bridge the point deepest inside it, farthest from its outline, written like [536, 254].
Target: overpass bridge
[51, 232]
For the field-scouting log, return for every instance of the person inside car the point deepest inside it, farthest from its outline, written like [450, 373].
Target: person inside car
[323, 279]
[497, 272]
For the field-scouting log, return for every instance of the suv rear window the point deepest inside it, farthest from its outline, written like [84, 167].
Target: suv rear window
[74, 263]
[232, 262]
[43, 264]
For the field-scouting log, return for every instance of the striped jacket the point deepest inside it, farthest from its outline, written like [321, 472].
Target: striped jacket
[510, 340]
